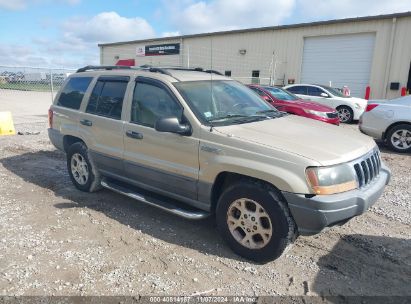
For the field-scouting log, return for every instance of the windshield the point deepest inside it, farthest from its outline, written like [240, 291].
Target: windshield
[335, 92]
[280, 93]
[222, 102]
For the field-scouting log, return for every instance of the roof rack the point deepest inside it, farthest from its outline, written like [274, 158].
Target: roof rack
[197, 69]
[213, 72]
[103, 67]
[147, 67]
[160, 70]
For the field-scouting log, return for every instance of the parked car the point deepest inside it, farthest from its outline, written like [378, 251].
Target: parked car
[389, 121]
[198, 146]
[285, 101]
[349, 108]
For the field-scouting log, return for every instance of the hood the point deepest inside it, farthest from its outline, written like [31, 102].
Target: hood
[315, 140]
[309, 105]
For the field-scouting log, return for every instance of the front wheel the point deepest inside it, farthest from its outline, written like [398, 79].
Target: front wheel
[254, 221]
[399, 138]
[345, 114]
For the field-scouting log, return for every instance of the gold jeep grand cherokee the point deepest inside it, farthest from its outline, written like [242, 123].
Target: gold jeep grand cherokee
[195, 143]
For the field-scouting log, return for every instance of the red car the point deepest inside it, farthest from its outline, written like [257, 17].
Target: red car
[288, 102]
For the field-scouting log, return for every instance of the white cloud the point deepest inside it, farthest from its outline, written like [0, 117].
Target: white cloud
[108, 27]
[12, 5]
[15, 5]
[320, 9]
[76, 43]
[170, 34]
[20, 55]
[215, 15]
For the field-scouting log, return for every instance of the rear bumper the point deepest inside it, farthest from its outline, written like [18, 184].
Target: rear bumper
[367, 130]
[56, 138]
[314, 214]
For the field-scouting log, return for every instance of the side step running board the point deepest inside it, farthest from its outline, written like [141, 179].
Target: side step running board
[130, 191]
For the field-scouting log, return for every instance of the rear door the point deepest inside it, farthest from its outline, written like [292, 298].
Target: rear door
[101, 124]
[164, 162]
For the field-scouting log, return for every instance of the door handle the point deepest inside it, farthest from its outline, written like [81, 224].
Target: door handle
[86, 122]
[134, 135]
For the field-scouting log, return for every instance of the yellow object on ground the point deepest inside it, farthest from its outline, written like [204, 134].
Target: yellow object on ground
[6, 124]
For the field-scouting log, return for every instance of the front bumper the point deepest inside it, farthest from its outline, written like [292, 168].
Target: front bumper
[314, 214]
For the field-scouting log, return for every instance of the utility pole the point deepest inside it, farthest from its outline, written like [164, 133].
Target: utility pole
[273, 67]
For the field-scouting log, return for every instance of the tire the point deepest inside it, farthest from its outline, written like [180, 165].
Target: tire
[399, 138]
[345, 114]
[276, 221]
[83, 174]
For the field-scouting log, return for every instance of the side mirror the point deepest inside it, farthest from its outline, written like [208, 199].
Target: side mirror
[324, 95]
[172, 125]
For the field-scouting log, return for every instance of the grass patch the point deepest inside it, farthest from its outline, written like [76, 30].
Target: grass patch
[24, 86]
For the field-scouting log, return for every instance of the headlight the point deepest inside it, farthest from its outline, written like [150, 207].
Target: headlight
[330, 180]
[317, 113]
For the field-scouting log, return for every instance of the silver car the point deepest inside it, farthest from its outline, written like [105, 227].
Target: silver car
[389, 121]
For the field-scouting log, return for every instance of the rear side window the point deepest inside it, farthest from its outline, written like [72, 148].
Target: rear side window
[107, 98]
[298, 90]
[73, 92]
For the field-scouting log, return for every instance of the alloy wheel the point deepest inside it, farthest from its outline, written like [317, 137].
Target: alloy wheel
[344, 115]
[401, 139]
[249, 223]
[79, 168]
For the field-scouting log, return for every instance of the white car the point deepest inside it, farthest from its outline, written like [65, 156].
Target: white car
[389, 121]
[349, 108]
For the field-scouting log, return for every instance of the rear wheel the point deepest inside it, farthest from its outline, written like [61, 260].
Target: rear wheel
[399, 138]
[345, 114]
[83, 173]
[254, 221]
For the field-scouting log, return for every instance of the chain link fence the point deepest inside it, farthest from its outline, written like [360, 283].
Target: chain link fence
[15, 80]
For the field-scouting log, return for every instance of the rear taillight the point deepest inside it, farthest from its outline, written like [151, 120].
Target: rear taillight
[50, 118]
[370, 107]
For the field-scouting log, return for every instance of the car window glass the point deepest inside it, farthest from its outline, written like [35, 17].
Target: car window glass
[281, 94]
[314, 91]
[73, 92]
[150, 103]
[107, 99]
[298, 90]
[261, 93]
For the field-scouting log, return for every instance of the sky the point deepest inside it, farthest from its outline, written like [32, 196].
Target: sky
[65, 33]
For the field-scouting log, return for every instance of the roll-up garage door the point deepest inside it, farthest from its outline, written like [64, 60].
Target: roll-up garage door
[341, 59]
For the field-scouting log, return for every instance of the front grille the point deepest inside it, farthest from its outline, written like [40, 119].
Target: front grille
[368, 168]
[332, 115]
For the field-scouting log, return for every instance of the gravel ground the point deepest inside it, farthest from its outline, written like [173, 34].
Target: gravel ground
[56, 240]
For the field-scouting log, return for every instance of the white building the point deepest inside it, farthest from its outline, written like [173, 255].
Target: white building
[370, 51]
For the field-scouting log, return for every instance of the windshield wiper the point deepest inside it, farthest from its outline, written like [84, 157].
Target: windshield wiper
[228, 116]
[272, 111]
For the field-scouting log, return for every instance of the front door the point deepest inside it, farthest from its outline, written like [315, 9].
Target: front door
[314, 94]
[159, 161]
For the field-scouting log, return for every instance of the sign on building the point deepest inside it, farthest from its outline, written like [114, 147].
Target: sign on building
[140, 50]
[158, 49]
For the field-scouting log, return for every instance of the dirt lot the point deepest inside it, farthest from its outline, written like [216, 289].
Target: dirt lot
[56, 240]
